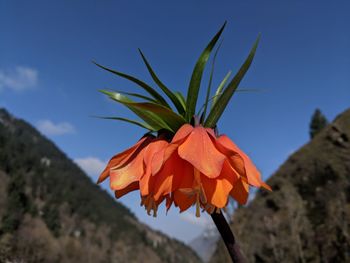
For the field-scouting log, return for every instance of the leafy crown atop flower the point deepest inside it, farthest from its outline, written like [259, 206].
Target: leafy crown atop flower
[154, 109]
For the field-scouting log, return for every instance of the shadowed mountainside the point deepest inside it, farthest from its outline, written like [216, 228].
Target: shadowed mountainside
[307, 216]
[50, 211]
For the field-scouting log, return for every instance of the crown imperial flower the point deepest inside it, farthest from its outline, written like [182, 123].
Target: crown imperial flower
[194, 168]
[181, 160]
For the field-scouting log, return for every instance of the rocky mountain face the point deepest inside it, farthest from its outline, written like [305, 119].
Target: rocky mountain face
[307, 216]
[50, 211]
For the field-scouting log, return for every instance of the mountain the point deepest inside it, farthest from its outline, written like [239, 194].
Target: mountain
[50, 211]
[205, 244]
[307, 216]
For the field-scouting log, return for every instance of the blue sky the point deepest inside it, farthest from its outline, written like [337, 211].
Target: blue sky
[47, 78]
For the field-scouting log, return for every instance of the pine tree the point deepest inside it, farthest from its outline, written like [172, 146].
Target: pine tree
[318, 122]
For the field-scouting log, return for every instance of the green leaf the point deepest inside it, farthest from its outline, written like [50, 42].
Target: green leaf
[210, 82]
[193, 89]
[220, 88]
[138, 123]
[174, 120]
[167, 91]
[224, 99]
[136, 95]
[143, 85]
[150, 118]
[167, 116]
[181, 98]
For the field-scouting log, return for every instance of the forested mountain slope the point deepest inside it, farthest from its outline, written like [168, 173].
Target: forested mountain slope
[307, 216]
[50, 211]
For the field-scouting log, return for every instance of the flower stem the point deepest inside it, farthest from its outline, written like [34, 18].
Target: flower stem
[228, 237]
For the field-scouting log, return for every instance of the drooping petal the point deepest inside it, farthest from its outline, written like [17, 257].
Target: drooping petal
[162, 156]
[198, 149]
[237, 163]
[174, 174]
[218, 189]
[146, 181]
[131, 187]
[266, 186]
[149, 153]
[225, 145]
[182, 133]
[240, 192]
[184, 196]
[163, 186]
[183, 200]
[121, 158]
[122, 177]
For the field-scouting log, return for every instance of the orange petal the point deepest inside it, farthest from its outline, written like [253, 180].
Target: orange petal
[237, 163]
[149, 153]
[183, 201]
[122, 177]
[152, 149]
[146, 182]
[225, 145]
[198, 149]
[240, 192]
[267, 187]
[210, 132]
[217, 190]
[162, 156]
[182, 133]
[149, 139]
[131, 187]
[163, 186]
[175, 173]
[120, 158]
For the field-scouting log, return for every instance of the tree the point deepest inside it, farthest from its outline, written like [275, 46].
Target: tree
[318, 122]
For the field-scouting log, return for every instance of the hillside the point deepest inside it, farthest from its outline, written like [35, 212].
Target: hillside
[50, 211]
[307, 216]
[205, 243]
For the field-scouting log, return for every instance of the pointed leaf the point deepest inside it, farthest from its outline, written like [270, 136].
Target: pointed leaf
[136, 95]
[150, 118]
[167, 91]
[143, 85]
[181, 98]
[193, 89]
[224, 99]
[210, 81]
[174, 120]
[220, 88]
[138, 123]
[167, 116]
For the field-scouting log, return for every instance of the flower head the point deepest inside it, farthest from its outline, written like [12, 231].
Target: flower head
[185, 163]
[194, 168]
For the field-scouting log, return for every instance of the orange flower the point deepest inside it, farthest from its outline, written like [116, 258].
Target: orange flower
[195, 168]
[198, 168]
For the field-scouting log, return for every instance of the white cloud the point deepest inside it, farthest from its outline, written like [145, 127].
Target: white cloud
[18, 79]
[203, 221]
[91, 165]
[47, 127]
